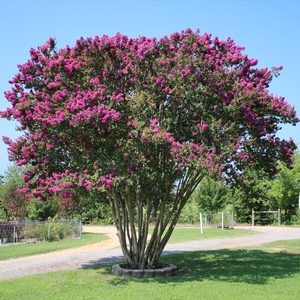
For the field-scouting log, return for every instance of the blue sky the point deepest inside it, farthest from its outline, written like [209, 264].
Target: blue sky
[268, 29]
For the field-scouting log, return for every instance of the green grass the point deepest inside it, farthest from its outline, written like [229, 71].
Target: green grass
[270, 271]
[193, 234]
[220, 274]
[20, 250]
[290, 246]
[185, 234]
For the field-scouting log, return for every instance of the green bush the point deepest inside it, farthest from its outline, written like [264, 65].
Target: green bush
[295, 219]
[2, 214]
[35, 230]
[52, 230]
[61, 230]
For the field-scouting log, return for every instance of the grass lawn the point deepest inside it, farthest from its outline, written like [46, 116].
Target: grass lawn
[291, 246]
[271, 271]
[220, 274]
[181, 234]
[15, 251]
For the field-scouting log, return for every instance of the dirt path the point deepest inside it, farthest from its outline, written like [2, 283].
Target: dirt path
[109, 251]
[111, 243]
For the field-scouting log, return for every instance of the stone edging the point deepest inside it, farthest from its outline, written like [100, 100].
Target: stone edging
[168, 270]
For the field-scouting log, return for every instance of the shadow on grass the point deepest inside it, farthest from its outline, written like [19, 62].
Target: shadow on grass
[253, 267]
[245, 266]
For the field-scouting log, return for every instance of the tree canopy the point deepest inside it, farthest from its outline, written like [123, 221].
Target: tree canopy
[143, 120]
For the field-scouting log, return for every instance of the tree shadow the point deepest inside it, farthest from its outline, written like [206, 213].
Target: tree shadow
[102, 262]
[246, 266]
[239, 266]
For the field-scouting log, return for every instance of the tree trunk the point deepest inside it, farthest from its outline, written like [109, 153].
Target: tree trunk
[132, 221]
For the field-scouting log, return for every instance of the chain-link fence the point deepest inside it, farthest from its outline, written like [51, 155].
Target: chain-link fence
[35, 231]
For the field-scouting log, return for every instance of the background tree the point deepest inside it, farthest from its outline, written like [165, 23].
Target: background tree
[2, 211]
[285, 188]
[95, 208]
[135, 117]
[210, 196]
[16, 206]
[253, 196]
[13, 202]
[43, 210]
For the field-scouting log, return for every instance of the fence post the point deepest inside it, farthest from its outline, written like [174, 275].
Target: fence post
[253, 217]
[279, 217]
[232, 220]
[48, 231]
[14, 234]
[222, 220]
[80, 230]
[201, 224]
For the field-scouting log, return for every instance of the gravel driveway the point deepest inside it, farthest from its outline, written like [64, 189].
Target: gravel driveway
[109, 251]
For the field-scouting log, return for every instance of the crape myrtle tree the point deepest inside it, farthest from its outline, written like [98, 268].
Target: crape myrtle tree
[144, 120]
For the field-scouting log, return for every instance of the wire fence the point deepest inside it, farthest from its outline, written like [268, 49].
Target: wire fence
[36, 231]
[270, 217]
[218, 220]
